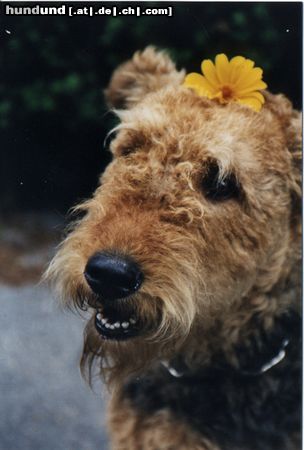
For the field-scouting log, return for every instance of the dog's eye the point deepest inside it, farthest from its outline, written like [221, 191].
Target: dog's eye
[125, 151]
[219, 189]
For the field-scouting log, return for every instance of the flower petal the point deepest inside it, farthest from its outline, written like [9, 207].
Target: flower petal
[251, 102]
[208, 69]
[222, 68]
[256, 95]
[245, 73]
[237, 60]
[227, 81]
[199, 83]
[240, 69]
[256, 86]
[248, 77]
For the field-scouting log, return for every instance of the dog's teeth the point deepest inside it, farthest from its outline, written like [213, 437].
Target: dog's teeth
[112, 327]
[125, 324]
[98, 316]
[107, 325]
[117, 325]
[104, 321]
[133, 321]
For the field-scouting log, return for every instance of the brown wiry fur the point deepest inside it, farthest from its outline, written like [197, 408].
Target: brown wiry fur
[146, 72]
[136, 431]
[209, 266]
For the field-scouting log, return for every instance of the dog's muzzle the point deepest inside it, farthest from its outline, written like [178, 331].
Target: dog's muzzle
[113, 279]
[112, 276]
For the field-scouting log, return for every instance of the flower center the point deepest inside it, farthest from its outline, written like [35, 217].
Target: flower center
[227, 93]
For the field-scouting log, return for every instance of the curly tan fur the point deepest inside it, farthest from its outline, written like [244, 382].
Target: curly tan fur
[158, 432]
[147, 72]
[210, 267]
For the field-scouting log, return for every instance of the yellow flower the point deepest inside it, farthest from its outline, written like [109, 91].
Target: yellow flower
[236, 80]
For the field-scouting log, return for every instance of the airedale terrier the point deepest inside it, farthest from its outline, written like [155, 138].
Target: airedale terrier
[188, 257]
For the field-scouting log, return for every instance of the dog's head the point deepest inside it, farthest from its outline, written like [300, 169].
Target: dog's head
[194, 224]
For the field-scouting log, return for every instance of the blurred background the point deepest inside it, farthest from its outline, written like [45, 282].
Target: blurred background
[53, 121]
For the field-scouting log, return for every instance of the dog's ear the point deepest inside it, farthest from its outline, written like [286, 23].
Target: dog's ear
[148, 71]
[291, 122]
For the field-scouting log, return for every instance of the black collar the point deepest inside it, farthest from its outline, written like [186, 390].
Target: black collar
[267, 350]
[178, 370]
[266, 366]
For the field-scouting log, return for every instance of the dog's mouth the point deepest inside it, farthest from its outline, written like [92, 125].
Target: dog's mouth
[118, 325]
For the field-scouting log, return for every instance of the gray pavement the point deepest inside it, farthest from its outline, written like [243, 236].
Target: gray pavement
[44, 403]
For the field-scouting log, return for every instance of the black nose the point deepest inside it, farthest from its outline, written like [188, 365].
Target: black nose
[113, 276]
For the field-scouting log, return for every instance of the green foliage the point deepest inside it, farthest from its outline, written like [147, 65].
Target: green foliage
[59, 59]
[69, 60]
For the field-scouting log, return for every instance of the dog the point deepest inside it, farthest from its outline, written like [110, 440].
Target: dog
[188, 259]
